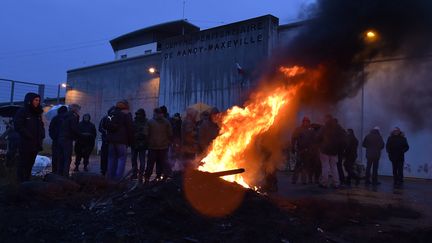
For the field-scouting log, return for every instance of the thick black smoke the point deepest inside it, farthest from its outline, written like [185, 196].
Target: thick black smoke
[334, 42]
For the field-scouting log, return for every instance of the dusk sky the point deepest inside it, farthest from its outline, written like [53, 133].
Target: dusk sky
[42, 39]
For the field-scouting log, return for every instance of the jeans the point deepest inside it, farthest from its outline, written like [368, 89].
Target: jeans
[329, 167]
[160, 158]
[25, 164]
[104, 158]
[65, 158]
[117, 154]
[372, 163]
[141, 154]
[398, 171]
[55, 154]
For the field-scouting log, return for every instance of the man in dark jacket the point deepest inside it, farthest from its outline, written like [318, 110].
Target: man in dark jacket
[374, 143]
[68, 134]
[351, 156]
[301, 142]
[159, 133]
[140, 145]
[54, 133]
[85, 143]
[29, 125]
[104, 147]
[189, 143]
[120, 136]
[397, 146]
[208, 130]
[331, 138]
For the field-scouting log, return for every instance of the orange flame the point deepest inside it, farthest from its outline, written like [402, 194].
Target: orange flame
[241, 126]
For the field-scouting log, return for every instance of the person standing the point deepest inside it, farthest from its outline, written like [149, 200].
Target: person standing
[30, 127]
[208, 130]
[85, 143]
[54, 133]
[120, 136]
[330, 139]
[140, 145]
[69, 133]
[351, 157]
[374, 144]
[397, 146]
[302, 141]
[159, 133]
[189, 143]
[104, 147]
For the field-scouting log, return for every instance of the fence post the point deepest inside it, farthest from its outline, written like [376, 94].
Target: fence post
[41, 92]
[12, 92]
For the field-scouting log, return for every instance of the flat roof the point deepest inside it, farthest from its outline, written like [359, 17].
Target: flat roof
[155, 32]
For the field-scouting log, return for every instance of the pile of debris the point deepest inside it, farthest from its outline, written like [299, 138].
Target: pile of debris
[190, 207]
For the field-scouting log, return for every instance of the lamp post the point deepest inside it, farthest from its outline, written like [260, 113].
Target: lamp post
[62, 85]
[370, 36]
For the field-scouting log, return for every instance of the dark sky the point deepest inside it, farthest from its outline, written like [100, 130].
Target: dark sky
[42, 39]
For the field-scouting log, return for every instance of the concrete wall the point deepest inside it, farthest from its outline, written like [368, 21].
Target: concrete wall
[99, 87]
[202, 67]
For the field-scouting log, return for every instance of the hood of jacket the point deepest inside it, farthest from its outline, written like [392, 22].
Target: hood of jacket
[28, 99]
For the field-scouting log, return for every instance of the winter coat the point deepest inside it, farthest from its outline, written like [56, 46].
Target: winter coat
[86, 141]
[397, 146]
[302, 138]
[29, 125]
[352, 145]
[373, 143]
[207, 132]
[159, 133]
[140, 137]
[102, 129]
[69, 128]
[189, 142]
[332, 139]
[55, 126]
[125, 133]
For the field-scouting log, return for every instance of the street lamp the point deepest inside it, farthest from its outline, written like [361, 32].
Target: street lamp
[153, 70]
[62, 85]
[370, 36]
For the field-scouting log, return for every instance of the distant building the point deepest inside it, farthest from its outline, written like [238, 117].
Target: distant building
[217, 66]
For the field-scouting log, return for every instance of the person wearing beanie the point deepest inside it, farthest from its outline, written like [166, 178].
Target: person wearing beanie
[69, 133]
[119, 127]
[397, 146]
[54, 133]
[30, 127]
[85, 143]
[160, 134]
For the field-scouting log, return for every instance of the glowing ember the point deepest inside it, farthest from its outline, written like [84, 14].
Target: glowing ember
[241, 126]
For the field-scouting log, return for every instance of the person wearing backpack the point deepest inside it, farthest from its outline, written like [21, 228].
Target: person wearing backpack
[119, 128]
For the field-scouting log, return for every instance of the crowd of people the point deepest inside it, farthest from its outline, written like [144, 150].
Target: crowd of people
[326, 154]
[154, 142]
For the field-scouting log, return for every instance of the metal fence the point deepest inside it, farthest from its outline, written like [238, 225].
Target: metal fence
[13, 91]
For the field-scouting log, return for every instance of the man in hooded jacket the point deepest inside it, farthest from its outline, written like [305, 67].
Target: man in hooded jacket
[85, 143]
[68, 134]
[397, 146]
[54, 133]
[374, 144]
[140, 145]
[29, 125]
